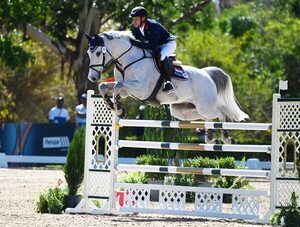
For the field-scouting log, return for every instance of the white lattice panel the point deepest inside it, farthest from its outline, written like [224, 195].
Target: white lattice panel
[289, 115]
[245, 204]
[291, 138]
[98, 183]
[107, 132]
[101, 115]
[284, 191]
[208, 202]
[172, 199]
[136, 198]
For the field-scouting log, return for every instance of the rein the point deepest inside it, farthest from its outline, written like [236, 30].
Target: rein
[115, 61]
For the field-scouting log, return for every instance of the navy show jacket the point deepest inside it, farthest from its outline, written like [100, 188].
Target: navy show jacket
[154, 35]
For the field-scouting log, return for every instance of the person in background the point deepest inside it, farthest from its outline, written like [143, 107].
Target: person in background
[58, 114]
[80, 111]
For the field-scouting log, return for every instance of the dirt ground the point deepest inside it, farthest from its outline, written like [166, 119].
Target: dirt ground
[20, 188]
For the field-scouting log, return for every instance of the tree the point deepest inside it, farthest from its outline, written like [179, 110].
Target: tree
[59, 25]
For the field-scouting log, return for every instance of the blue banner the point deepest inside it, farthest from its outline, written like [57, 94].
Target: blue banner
[36, 139]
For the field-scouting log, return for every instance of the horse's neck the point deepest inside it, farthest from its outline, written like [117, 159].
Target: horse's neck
[119, 48]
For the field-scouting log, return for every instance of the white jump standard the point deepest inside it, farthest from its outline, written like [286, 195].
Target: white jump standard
[101, 167]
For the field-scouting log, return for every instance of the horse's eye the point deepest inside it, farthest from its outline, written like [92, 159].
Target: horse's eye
[98, 54]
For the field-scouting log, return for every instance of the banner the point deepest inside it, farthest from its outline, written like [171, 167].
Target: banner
[36, 139]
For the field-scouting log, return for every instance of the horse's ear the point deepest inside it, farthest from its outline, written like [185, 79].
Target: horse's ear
[98, 40]
[89, 38]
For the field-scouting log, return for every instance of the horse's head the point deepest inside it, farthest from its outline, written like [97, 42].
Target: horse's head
[99, 59]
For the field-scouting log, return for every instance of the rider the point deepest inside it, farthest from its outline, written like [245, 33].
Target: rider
[150, 34]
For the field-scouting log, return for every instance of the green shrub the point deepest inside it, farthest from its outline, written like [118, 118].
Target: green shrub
[134, 178]
[74, 167]
[55, 200]
[51, 201]
[230, 182]
[42, 204]
[200, 162]
[226, 163]
[151, 159]
[290, 215]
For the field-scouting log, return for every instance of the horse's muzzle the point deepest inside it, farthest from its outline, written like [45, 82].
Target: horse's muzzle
[94, 77]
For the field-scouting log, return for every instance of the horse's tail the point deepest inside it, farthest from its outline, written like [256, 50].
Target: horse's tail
[226, 98]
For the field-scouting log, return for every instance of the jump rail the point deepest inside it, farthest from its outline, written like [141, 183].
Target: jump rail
[195, 124]
[195, 146]
[197, 171]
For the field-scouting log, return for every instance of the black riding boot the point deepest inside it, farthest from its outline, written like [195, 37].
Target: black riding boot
[167, 68]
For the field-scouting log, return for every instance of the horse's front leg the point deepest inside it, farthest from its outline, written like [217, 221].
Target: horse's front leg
[119, 93]
[105, 89]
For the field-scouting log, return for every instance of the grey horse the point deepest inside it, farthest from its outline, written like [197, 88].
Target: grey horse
[207, 94]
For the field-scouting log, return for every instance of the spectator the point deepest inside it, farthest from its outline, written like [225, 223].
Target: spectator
[80, 111]
[140, 116]
[58, 114]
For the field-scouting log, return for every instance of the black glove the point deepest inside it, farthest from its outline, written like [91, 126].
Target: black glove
[135, 42]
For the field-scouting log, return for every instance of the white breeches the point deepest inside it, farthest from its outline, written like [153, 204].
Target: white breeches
[167, 49]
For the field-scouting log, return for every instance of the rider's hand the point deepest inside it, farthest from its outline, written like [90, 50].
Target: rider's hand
[135, 42]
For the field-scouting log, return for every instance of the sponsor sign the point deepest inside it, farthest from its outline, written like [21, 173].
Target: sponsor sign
[55, 142]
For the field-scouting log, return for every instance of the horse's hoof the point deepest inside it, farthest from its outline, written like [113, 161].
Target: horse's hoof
[228, 140]
[109, 105]
[121, 113]
[210, 141]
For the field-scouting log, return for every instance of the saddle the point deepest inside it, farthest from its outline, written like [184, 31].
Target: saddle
[178, 71]
[178, 74]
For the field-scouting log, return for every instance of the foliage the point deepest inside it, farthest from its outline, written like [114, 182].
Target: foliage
[151, 159]
[220, 181]
[288, 216]
[30, 92]
[240, 24]
[200, 162]
[12, 56]
[74, 167]
[230, 182]
[164, 134]
[42, 204]
[55, 200]
[256, 43]
[51, 201]
[134, 178]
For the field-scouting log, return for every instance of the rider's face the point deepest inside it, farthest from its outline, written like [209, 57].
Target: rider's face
[137, 22]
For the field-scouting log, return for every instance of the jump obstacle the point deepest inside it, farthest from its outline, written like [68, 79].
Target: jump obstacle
[100, 176]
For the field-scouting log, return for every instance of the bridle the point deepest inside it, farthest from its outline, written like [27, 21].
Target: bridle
[112, 60]
[106, 65]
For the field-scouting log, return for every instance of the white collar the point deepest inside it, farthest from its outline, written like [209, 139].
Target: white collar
[142, 29]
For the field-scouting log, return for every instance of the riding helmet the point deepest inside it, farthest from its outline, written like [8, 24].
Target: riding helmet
[139, 11]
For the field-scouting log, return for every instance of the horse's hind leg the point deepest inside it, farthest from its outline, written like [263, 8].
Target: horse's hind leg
[209, 136]
[225, 134]
[226, 138]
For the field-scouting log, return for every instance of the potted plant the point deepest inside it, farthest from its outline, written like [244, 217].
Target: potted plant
[74, 167]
